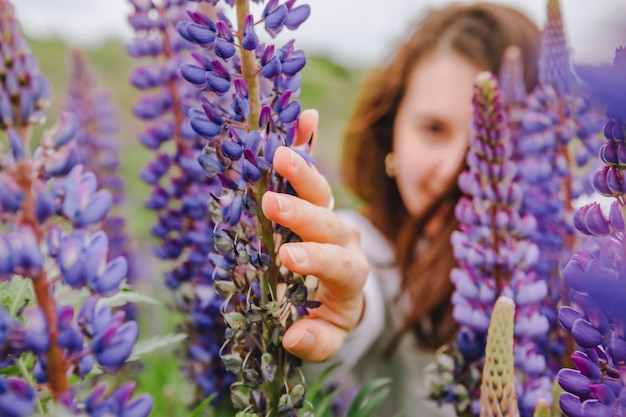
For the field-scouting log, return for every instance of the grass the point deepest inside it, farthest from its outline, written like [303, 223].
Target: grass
[326, 86]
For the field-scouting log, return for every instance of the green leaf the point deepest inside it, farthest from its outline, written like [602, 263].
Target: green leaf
[126, 297]
[197, 412]
[15, 293]
[155, 343]
[315, 388]
[54, 409]
[368, 395]
[322, 407]
[9, 371]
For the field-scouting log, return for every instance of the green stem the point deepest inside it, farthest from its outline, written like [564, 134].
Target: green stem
[268, 279]
[248, 65]
[30, 380]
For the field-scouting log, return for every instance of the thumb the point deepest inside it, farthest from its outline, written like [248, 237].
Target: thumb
[314, 340]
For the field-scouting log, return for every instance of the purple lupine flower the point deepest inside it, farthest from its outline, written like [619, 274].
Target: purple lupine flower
[596, 277]
[180, 187]
[493, 249]
[17, 398]
[51, 214]
[24, 93]
[98, 147]
[118, 403]
[555, 137]
[246, 111]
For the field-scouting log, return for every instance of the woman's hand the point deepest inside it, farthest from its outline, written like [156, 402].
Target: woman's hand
[330, 250]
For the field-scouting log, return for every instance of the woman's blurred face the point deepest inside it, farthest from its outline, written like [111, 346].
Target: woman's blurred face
[432, 128]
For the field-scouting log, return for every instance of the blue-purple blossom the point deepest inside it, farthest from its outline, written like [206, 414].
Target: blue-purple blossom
[493, 249]
[596, 276]
[51, 214]
[180, 186]
[24, 92]
[98, 148]
[17, 398]
[247, 110]
[118, 403]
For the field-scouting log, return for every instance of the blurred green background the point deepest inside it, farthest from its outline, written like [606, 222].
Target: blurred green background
[326, 86]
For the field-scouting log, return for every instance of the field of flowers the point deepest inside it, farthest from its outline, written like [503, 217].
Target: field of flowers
[138, 275]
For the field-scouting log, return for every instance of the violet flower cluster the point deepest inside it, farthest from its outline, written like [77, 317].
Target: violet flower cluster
[51, 242]
[596, 278]
[98, 148]
[246, 111]
[556, 141]
[180, 187]
[493, 249]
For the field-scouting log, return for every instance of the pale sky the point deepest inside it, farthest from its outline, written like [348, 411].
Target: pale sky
[353, 32]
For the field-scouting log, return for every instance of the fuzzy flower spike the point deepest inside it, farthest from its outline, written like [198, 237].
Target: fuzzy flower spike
[180, 189]
[494, 254]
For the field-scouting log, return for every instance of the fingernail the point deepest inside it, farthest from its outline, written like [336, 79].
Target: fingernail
[304, 342]
[284, 204]
[293, 158]
[297, 254]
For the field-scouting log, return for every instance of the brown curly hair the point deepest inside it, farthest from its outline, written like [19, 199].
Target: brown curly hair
[480, 33]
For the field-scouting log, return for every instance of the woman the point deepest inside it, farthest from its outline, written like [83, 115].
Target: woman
[404, 148]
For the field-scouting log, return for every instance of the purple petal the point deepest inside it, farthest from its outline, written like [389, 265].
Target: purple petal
[595, 221]
[585, 334]
[115, 345]
[205, 127]
[193, 74]
[108, 283]
[199, 34]
[297, 16]
[570, 405]
[216, 83]
[277, 18]
[573, 381]
[98, 207]
[617, 348]
[296, 63]
[602, 393]
[250, 39]
[615, 216]
[594, 408]
[574, 275]
[290, 113]
[223, 48]
[586, 366]
[139, 407]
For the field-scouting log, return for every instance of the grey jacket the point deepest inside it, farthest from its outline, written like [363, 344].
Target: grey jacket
[362, 354]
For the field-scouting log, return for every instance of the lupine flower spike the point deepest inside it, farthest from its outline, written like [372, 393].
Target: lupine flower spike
[597, 316]
[51, 212]
[494, 253]
[248, 109]
[556, 141]
[98, 147]
[497, 390]
[180, 187]
[556, 135]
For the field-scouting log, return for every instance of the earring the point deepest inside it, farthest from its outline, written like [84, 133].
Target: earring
[391, 165]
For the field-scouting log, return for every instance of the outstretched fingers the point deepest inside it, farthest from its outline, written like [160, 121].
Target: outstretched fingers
[308, 183]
